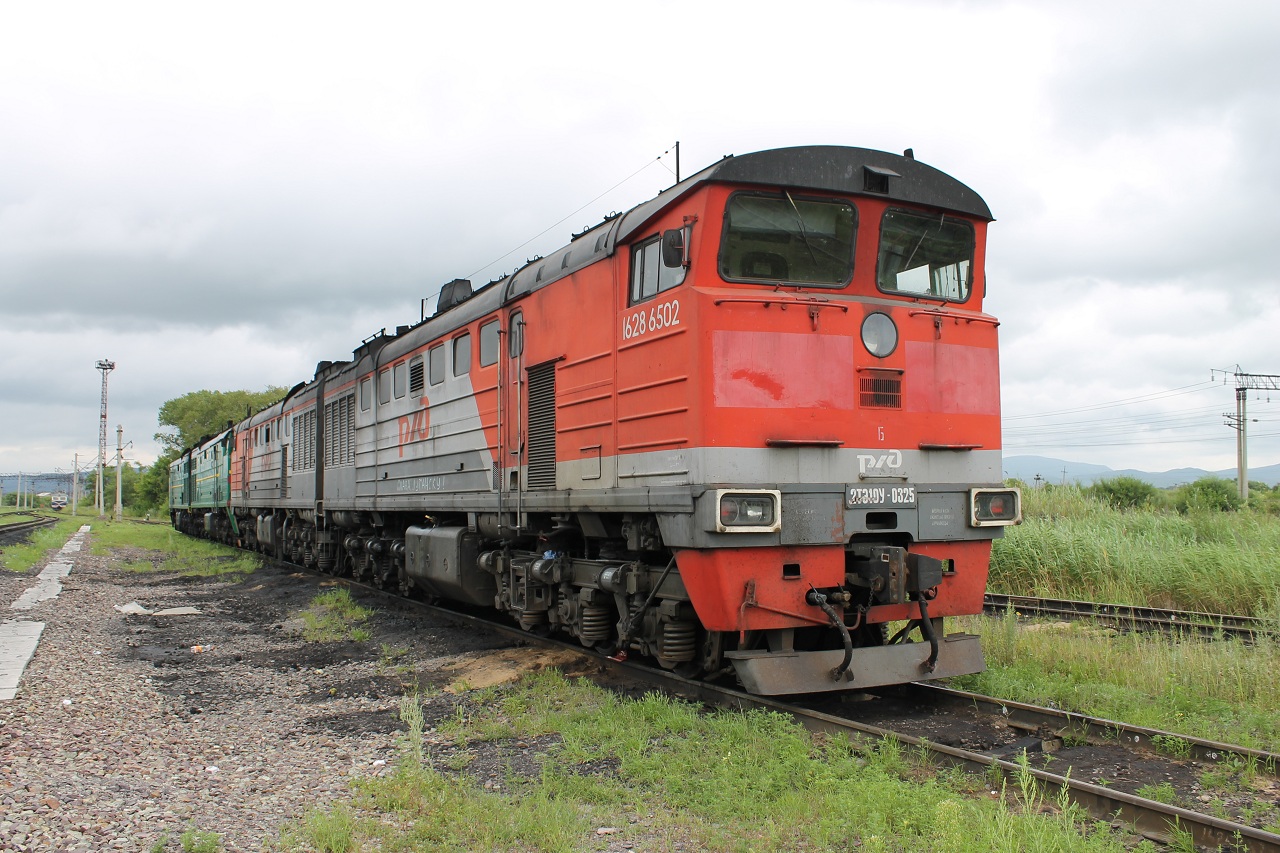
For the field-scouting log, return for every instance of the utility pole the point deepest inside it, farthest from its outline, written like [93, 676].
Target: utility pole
[119, 464]
[1240, 421]
[106, 367]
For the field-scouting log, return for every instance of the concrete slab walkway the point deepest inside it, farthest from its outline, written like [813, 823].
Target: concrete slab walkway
[19, 636]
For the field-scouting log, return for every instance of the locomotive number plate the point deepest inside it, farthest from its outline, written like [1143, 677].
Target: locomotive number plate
[875, 497]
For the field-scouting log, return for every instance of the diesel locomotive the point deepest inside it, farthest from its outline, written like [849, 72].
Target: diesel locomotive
[740, 428]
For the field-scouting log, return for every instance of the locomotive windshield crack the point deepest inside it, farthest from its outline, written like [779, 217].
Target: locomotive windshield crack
[649, 453]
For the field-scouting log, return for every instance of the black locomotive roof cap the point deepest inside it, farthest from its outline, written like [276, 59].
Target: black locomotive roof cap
[825, 167]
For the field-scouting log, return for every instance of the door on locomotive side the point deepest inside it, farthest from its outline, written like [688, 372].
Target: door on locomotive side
[515, 419]
[656, 425]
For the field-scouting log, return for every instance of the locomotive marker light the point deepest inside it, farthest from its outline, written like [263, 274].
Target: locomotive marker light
[748, 511]
[995, 507]
[879, 335]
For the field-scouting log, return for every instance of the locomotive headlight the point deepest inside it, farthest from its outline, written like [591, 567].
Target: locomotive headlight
[879, 334]
[747, 510]
[995, 507]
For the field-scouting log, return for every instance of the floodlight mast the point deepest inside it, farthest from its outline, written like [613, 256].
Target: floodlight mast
[106, 367]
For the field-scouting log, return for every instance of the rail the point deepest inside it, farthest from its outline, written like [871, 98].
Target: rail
[1132, 617]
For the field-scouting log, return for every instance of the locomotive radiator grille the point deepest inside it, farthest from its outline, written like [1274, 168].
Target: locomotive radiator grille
[880, 389]
[542, 427]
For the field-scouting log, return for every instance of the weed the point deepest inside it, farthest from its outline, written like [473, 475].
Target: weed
[161, 843]
[1162, 793]
[333, 617]
[1171, 745]
[196, 841]
[331, 831]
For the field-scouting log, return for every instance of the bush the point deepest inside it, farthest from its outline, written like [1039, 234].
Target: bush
[1123, 492]
[1213, 494]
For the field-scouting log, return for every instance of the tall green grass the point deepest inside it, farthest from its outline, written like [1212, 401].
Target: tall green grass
[1220, 690]
[1071, 545]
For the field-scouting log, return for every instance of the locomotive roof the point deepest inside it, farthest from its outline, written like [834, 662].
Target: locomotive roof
[832, 168]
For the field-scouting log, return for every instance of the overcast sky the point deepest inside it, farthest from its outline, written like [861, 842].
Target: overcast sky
[220, 195]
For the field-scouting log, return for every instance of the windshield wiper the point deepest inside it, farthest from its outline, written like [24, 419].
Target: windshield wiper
[804, 236]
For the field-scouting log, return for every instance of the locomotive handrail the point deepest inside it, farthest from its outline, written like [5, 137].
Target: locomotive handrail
[933, 312]
[803, 442]
[767, 301]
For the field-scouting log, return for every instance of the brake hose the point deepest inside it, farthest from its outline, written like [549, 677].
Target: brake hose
[816, 598]
[926, 628]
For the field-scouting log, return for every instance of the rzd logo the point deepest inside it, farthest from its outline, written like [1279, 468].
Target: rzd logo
[413, 428]
[884, 465]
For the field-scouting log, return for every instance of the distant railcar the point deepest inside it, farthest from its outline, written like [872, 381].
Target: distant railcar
[746, 424]
[58, 501]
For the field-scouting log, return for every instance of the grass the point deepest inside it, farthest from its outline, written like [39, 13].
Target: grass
[1072, 545]
[167, 550]
[676, 776]
[24, 557]
[1220, 690]
[333, 617]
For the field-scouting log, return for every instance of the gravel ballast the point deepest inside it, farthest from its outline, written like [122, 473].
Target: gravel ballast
[129, 729]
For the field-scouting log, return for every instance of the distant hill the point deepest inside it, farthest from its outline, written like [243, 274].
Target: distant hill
[1051, 470]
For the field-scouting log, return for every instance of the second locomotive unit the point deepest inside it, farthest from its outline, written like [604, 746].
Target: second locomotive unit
[745, 425]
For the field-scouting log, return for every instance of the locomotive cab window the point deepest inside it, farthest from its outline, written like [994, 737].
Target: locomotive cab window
[925, 254]
[384, 386]
[461, 354]
[365, 397]
[649, 275]
[771, 239]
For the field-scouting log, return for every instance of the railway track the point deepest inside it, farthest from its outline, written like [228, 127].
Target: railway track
[1130, 617]
[1040, 731]
[21, 529]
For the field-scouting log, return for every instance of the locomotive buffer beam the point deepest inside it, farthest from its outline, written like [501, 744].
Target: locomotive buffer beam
[790, 672]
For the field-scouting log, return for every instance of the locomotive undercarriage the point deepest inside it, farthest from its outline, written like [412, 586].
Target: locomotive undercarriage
[618, 592]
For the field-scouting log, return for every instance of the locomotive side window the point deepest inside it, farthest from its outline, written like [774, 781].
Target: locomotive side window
[384, 386]
[649, 276]
[489, 343]
[437, 364]
[515, 337]
[925, 254]
[771, 239]
[365, 397]
[399, 376]
[461, 354]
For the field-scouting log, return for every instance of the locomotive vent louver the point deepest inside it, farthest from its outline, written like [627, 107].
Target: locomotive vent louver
[875, 179]
[542, 427]
[880, 389]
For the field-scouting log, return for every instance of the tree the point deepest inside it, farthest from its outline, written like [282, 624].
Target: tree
[130, 476]
[1208, 493]
[200, 414]
[1123, 492]
[195, 416]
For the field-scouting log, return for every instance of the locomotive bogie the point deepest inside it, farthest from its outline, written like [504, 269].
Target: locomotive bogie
[748, 422]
